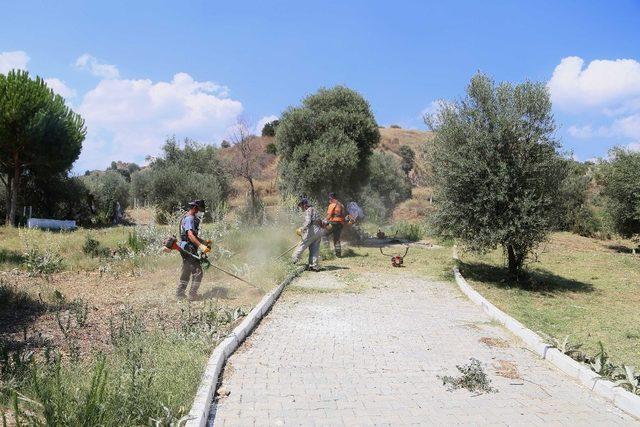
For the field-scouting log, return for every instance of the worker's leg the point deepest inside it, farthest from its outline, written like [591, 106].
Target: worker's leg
[299, 250]
[196, 279]
[337, 232]
[185, 274]
[314, 253]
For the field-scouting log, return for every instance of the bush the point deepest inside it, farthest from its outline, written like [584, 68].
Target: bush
[622, 190]
[94, 248]
[395, 127]
[106, 189]
[269, 129]
[387, 187]
[585, 223]
[407, 231]
[184, 174]
[271, 149]
[42, 263]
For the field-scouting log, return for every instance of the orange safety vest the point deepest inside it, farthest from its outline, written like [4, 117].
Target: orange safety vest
[335, 212]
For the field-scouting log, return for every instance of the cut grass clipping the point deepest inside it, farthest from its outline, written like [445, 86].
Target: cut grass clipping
[473, 378]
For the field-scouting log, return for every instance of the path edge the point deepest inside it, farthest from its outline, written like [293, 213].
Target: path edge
[623, 399]
[199, 412]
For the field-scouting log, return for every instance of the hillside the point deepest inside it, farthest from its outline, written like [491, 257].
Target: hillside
[391, 139]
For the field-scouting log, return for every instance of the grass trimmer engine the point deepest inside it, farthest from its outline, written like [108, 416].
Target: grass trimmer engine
[171, 244]
[397, 260]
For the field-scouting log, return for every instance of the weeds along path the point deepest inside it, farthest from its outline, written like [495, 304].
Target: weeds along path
[363, 346]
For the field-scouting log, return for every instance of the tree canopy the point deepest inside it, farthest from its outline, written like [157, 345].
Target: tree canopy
[325, 144]
[181, 174]
[269, 129]
[622, 190]
[39, 134]
[408, 157]
[497, 170]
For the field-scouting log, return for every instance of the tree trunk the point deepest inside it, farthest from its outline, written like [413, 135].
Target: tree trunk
[13, 196]
[8, 200]
[254, 214]
[514, 266]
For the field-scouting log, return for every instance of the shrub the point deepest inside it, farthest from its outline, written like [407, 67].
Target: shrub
[622, 190]
[585, 223]
[395, 127]
[94, 248]
[269, 129]
[386, 188]
[271, 149]
[182, 174]
[106, 190]
[42, 263]
[407, 231]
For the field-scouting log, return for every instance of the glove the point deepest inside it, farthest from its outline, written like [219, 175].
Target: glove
[299, 232]
[204, 249]
[208, 242]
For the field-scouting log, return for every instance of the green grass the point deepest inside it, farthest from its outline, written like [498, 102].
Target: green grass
[157, 367]
[585, 288]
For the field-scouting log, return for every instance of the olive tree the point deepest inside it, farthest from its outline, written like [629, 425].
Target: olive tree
[106, 190]
[621, 179]
[39, 134]
[325, 143]
[497, 169]
[182, 173]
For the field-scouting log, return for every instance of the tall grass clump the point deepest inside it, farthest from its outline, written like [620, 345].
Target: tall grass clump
[408, 231]
[148, 377]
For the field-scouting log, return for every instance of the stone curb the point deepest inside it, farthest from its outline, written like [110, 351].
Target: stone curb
[204, 396]
[623, 399]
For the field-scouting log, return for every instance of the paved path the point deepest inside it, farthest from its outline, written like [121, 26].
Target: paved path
[373, 358]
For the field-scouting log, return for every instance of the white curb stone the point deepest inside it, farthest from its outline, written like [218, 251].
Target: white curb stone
[204, 396]
[623, 399]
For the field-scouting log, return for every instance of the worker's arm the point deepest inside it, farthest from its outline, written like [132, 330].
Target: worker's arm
[193, 239]
[196, 241]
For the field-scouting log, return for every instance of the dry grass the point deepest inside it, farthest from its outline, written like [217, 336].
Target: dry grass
[494, 342]
[586, 288]
[392, 139]
[417, 208]
[507, 369]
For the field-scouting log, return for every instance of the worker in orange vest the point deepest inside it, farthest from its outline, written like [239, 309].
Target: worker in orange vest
[335, 217]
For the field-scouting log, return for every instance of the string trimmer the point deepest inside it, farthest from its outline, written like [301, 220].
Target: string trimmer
[171, 243]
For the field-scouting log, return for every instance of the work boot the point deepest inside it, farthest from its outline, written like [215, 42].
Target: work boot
[338, 250]
[193, 292]
[182, 287]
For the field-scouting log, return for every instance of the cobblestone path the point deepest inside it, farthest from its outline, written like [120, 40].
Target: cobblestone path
[332, 356]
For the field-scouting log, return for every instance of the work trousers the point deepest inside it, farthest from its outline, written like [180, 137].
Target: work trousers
[336, 232]
[191, 269]
[312, 242]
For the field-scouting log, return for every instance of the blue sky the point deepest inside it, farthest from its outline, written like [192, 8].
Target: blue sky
[139, 71]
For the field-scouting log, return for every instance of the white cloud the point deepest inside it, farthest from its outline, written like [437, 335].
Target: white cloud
[95, 67]
[263, 121]
[602, 83]
[13, 60]
[60, 87]
[431, 109]
[607, 91]
[129, 119]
